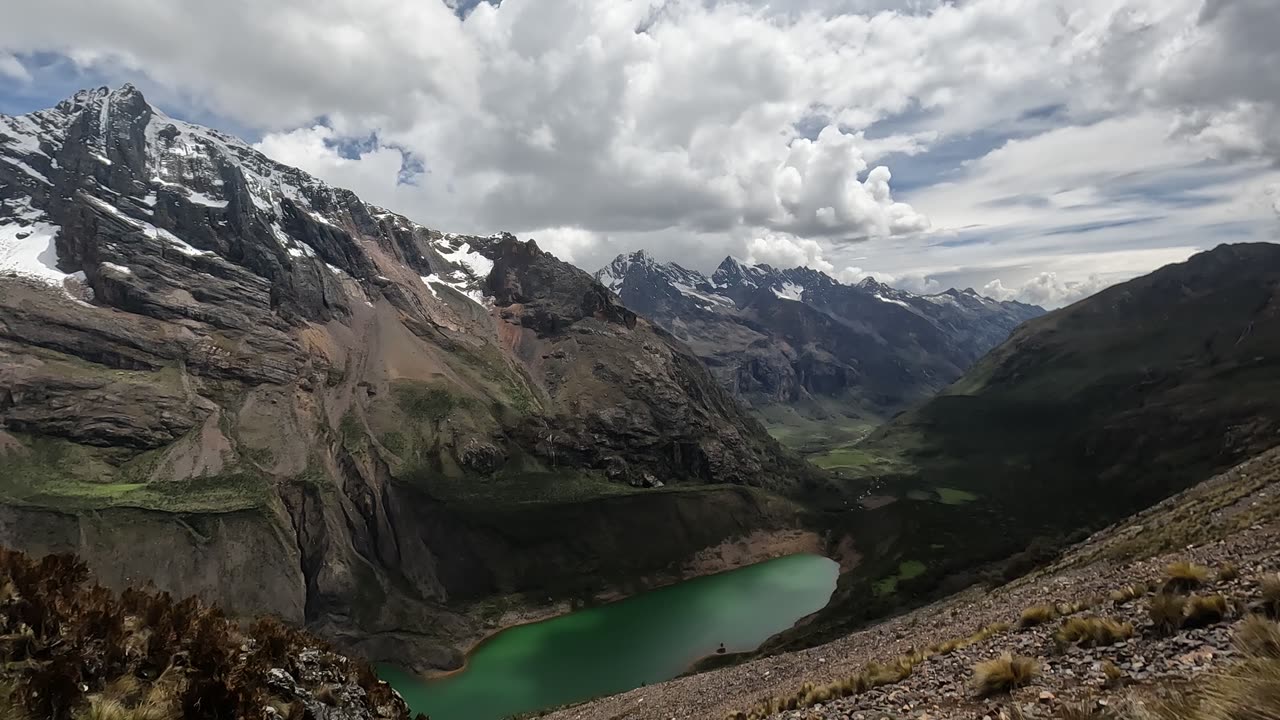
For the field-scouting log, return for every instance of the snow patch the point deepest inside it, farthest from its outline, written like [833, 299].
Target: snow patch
[474, 296]
[117, 268]
[478, 265]
[882, 298]
[689, 291]
[22, 134]
[789, 291]
[30, 251]
[104, 123]
[113, 210]
[28, 170]
[428, 279]
[202, 199]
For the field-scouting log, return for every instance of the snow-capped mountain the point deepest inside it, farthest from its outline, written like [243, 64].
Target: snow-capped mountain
[182, 188]
[798, 337]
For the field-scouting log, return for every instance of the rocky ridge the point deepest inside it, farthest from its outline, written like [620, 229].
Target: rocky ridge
[797, 339]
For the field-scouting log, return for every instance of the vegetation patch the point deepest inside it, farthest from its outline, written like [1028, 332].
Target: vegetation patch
[870, 676]
[848, 457]
[952, 496]
[58, 473]
[1092, 632]
[906, 570]
[1037, 615]
[1129, 593]
[1184, 576]
[1003, 674]
[79, 652]
[1258, 637]
[1249, 689]
[426, 402]
[1166, 612]
[1204, 610]
[1270, 603]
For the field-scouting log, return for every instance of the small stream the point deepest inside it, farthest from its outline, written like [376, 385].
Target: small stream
[613, 648]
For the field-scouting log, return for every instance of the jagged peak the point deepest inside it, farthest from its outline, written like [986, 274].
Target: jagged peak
[93, 97]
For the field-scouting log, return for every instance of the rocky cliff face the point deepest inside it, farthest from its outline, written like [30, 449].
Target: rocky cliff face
[797, 338]
[220, 373]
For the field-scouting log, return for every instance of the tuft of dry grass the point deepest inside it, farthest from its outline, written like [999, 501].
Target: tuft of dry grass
[1227, 572]
[1166, 613]
[1129, 592]
[1270, 603]
[1071, 608]
[1093, 632]
[79, 652]
[1115, 677]
[1258, 637]
[1003, 674]
[1037, 615]
[1184, 576]
[871, 676]
[1204, 610]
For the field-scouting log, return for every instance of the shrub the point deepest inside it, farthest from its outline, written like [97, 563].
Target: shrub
[1184, 576]
[1258, 637]
[1166, 613]
[1202, 610]
[1093, 632]
[1003, 674]
[1037, 615]
[77, 651]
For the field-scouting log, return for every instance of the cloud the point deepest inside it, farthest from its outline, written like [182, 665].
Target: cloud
[11, 67]
[783, 251]
[567, 243]
[693, 127]
[1046, 289]
[1221, 76]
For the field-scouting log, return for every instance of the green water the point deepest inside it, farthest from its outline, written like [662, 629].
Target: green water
[617, 647]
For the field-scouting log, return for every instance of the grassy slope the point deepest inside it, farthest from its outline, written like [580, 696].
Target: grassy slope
[1085, 416]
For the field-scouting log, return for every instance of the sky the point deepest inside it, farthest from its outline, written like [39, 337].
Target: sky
[1036, 150]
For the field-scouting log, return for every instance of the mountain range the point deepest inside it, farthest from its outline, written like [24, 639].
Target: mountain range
[802, 349]
[222, 375]
[225, 377]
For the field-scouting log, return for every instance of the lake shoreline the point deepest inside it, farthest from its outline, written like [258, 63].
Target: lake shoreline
[754, 548]
[734, 554]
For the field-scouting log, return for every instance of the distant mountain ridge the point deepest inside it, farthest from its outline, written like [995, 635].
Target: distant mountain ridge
[798, 340]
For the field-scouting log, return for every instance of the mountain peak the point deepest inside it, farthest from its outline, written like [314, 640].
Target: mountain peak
[93, 97]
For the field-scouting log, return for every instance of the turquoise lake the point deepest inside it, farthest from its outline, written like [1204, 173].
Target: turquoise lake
[613, 648]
